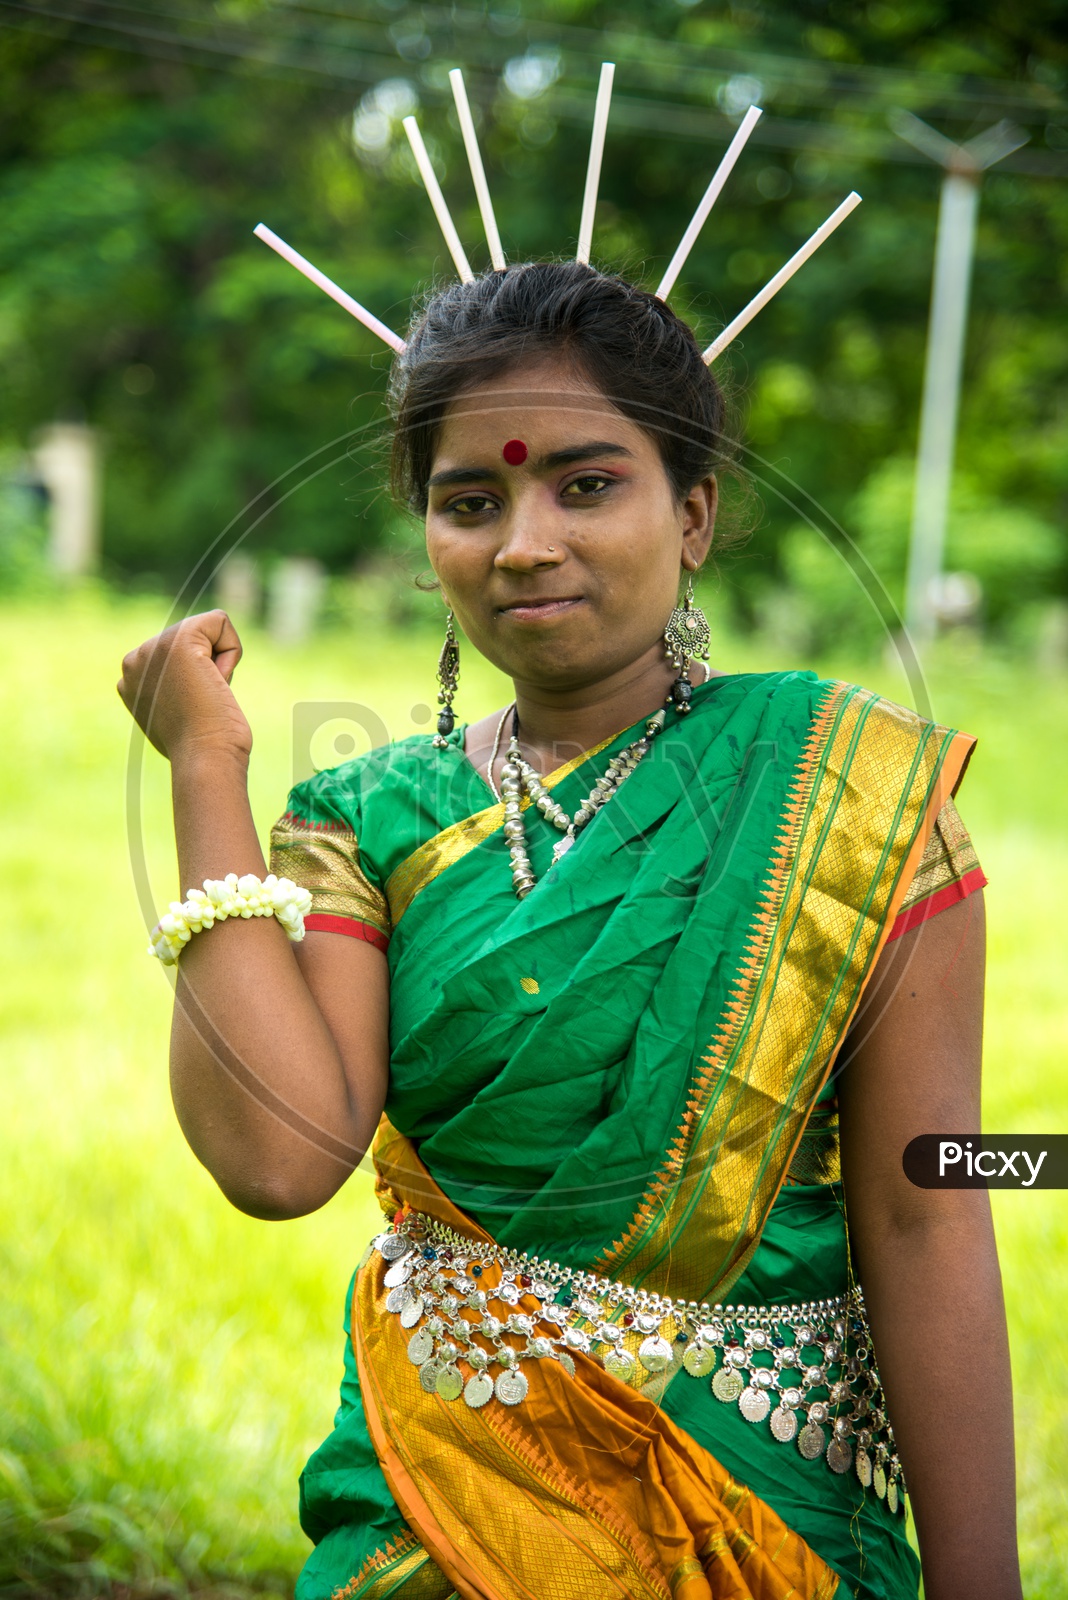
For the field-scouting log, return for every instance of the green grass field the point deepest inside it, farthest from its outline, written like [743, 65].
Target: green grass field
[165, 1363]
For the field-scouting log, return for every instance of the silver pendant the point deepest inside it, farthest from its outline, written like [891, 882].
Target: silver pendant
[511, 1387]
[566, 1362]
[699, 1359]
[654, 1353]
[478, 1390]
[450, 1384]
[412, 1311]
[620, 1364]
[564, 846]
[784, 1424]
[891, 1495]
[428, 1375]
[863, 1466]
[420, 1347]
[398, 1273]
[394, 1245]
[839, 1455]
[878, 1479]
[811, 1441]
[727, 1384]
[508, 1293]
[398, 1298]
[753, 1404]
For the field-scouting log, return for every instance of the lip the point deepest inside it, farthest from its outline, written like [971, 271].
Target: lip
[541, 610]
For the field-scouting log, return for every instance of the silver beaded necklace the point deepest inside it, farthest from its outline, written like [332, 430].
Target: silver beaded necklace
[518, 777]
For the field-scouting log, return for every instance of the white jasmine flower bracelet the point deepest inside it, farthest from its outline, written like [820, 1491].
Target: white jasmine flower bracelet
[231, 896]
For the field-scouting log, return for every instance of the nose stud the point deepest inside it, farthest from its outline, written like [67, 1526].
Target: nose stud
[515, 452]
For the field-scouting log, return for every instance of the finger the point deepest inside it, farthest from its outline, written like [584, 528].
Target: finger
[226, 661]
[227, 649]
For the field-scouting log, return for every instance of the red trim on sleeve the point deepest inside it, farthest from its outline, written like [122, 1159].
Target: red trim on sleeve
[941, 900]
[324, 922]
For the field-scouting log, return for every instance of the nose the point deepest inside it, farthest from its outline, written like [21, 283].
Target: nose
[531, 538]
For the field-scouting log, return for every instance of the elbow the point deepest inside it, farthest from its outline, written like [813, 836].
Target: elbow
[281, 1197]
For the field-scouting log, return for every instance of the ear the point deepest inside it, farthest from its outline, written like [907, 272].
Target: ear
[698, 512]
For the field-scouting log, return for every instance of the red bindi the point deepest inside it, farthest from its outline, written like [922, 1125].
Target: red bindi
[515, 452]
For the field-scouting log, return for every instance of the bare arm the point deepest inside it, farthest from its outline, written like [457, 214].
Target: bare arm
[926, 1258]
[278, 1050]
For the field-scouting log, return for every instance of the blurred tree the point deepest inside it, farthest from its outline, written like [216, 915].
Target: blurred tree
[138, 148]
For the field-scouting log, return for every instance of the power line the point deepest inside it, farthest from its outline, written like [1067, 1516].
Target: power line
[348, 61]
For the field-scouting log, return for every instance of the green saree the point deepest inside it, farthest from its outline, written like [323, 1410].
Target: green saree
[627, 1073]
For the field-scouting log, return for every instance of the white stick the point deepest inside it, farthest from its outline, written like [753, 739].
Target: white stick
[770, 289]
[437, 199]
[593, 170]
[353, 307]
[478, 172]
[711, 195]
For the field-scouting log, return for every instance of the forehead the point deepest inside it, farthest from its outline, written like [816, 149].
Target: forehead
[547, 404]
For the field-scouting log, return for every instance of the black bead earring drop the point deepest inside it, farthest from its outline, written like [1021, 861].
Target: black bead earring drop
[686, 637]
[448, 679]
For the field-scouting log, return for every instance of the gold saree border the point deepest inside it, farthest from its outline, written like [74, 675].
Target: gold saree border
[453, 843]
[402, 1567]
[868, 785]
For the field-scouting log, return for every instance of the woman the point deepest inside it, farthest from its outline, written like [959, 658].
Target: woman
[613, 962]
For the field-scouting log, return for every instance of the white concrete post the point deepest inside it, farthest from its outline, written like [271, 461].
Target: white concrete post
[67, 457]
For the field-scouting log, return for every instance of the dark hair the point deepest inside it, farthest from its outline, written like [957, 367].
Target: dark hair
[642, 357]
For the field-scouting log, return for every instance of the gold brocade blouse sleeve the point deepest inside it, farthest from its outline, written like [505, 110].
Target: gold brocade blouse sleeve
[948, 871]
[325, 859]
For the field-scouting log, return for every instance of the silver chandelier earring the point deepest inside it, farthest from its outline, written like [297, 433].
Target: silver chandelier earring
[686, 638]
[448, 680]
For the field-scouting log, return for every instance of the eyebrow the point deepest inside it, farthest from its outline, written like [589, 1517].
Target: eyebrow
[556, 458]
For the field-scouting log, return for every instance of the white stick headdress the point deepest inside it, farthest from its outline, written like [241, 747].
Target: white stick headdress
[586, 222]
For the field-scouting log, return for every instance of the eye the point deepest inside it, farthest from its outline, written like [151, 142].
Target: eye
[471, 505]
[589, 486]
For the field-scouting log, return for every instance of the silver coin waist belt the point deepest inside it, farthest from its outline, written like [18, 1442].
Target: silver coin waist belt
[807, 1369]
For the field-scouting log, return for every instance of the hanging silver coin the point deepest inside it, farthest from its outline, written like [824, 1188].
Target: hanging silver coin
[511, 1387]
[698, 1359]
[891, 1495]
[428, 1375]
[784, 1423]
[478, 1390]
[412, 1310]
[395, 1245]
[450, 1384]
[878, 1479]
[399, 1272]
[620, 1365]
[727, 1384]
[863, 1466]
[566, 1362]
[398, 1298]
[839, 1455]
[654, 1353]
[420, 1347]
[811, 1441]
[753, 1404]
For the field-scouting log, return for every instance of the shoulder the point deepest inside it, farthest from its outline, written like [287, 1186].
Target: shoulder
[340, 796]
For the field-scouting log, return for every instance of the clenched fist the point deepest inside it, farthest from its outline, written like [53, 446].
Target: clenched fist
[177, 687]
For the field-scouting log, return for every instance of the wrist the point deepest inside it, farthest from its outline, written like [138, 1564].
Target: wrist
[208, 758]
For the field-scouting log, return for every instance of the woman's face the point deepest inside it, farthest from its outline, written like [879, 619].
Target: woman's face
[562, 569]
